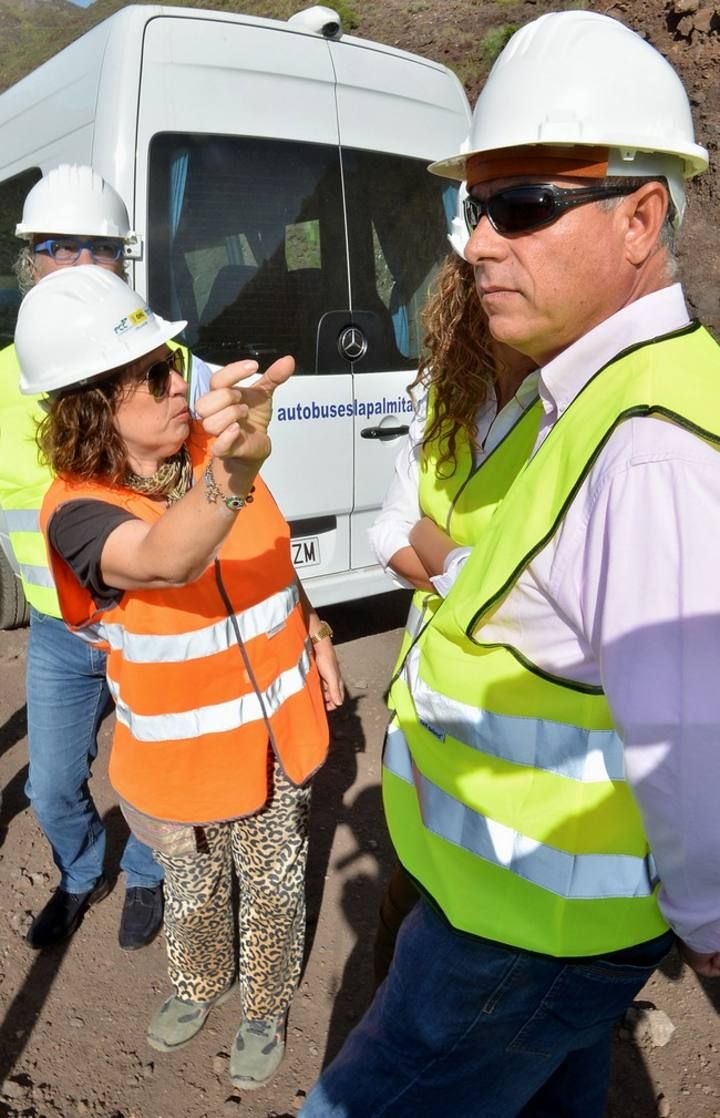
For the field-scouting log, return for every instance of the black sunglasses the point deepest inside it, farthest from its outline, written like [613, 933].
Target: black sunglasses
[159, 373]
[519, 209]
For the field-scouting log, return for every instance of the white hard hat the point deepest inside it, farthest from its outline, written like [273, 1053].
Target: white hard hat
[77, 323]
[583, 79]
[75, 200]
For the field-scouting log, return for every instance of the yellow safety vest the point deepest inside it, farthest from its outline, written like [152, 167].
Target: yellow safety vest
[504, 786]
[24, 482]
[462, 502]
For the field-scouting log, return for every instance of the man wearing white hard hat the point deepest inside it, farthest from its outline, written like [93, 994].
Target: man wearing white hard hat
[551, 765]
[71, 217]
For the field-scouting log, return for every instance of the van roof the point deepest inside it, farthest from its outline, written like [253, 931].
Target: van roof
[143, 13]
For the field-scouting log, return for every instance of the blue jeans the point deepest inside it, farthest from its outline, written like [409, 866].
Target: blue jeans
[67, 695]
[465, 1028]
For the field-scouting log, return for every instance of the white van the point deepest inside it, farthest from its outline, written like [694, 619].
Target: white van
[275, 176]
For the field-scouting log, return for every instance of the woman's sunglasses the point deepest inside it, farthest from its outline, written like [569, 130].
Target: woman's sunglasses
[520, 209]
[159, 373]
[66, 250]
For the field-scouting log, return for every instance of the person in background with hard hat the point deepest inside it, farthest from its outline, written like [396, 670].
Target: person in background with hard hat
[551, 766]
[165, 543]
[71, 217]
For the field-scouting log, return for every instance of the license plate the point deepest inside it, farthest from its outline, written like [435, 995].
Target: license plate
[306, 552]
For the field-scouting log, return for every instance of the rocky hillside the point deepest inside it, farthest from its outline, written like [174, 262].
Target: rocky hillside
[466, 35]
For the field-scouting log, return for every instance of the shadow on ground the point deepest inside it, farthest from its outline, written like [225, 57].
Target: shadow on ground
[23, 1012]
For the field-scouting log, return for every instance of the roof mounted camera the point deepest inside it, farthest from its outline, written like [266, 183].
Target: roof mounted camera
[320, 20]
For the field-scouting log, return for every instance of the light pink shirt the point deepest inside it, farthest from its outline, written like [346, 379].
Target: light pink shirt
[627, 595]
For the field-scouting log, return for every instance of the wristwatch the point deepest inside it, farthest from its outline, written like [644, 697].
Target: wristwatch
[323, 631]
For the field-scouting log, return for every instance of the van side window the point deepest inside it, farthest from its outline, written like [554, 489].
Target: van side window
[398, 216]
[248, 241]
[12, 196]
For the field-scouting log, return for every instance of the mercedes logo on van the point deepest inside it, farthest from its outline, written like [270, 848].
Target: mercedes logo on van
[352, 343]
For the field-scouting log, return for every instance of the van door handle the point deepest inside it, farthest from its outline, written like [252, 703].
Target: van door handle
[383, 433]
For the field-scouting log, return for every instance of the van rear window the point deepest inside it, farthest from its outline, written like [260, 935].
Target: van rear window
[269, 247]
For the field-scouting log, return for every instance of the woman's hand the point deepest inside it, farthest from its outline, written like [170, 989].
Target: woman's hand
[239, 416]
[329, 669]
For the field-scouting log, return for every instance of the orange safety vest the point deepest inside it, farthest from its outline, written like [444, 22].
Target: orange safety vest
[204, 675]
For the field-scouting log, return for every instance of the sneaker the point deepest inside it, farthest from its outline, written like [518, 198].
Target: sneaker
[177, 1021]
[257, 1051]
[62, 914]
[142, 917]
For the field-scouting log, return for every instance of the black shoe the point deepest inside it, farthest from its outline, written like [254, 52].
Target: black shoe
[141, 918]
[62, 914]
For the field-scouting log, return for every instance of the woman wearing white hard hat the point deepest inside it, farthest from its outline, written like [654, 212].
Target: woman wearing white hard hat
[167, 546]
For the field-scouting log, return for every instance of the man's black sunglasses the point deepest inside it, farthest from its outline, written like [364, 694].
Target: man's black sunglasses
[519, 209]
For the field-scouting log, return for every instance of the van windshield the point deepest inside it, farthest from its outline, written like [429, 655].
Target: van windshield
[247, 240]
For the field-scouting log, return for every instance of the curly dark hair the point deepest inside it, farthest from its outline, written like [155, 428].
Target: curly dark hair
[77, 437]
[457, 362]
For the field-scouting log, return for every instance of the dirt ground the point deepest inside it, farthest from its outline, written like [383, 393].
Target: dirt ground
[72, 1020]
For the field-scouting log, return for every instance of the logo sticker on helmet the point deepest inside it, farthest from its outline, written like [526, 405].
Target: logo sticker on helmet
[128, 321]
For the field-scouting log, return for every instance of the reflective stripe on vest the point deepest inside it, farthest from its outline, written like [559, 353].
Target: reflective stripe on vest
[578, 876]
[218, 719]
[569, 751]
[265, 617]
[36, 576]
[23, 520]
[534, 754]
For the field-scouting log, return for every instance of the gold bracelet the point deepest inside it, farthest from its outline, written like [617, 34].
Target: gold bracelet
[323, 631]
[215, 494]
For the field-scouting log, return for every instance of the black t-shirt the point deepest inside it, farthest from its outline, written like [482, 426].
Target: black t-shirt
[78, 532]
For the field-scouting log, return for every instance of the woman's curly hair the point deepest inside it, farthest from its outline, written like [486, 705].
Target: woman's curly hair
[457, 362]
[77, 436]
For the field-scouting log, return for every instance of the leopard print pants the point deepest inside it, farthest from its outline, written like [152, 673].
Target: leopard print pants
[269, 852]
